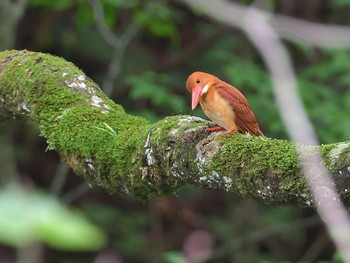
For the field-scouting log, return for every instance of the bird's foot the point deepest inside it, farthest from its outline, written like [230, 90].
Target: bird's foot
[230, 131]
[215, 128]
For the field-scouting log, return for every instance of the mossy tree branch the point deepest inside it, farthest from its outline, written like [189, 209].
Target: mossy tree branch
[127, 154]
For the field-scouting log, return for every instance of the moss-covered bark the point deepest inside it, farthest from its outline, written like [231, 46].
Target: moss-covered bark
[127, 154]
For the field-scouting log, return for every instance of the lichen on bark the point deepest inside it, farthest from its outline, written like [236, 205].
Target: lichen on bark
[127, 154]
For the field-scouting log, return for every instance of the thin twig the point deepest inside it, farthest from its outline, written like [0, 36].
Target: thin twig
[293, 29]
[59, 178]
[315, 248]
[78, 191]
[119, 44]
[258, 235]
[105, 31]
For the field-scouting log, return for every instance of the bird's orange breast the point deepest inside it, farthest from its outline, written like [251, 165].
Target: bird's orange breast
[218, 109]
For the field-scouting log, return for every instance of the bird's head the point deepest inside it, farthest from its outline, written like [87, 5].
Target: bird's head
[198, 83]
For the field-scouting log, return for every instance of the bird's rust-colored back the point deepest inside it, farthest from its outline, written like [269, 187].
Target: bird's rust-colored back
[231, 98]
[245, 118]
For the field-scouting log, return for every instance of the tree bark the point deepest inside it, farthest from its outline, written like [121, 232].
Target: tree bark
[127, 154]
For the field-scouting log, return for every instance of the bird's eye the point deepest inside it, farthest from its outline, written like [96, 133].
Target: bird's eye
[198, 81]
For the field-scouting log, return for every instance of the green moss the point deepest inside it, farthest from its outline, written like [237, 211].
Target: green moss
[65, 103]
[6, 53]
[81, 130]
[158, 146]
[36, 85]
[338, 155]
[167, 144]
[270, 166]
[162, 128]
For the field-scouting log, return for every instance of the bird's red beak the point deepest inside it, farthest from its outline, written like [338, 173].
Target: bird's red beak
[196, 96]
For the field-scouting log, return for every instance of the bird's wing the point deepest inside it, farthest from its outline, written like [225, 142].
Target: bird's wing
[245, 118]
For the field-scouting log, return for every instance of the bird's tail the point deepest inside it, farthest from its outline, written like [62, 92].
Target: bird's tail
[259, 133]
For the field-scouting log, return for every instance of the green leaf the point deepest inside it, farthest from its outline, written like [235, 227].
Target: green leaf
[123, 3]
[28, 215]
[128, 234]
[84, 15]
[340, 3]
[155, 87]
[174, 257]
[53, 4]
[161, 22]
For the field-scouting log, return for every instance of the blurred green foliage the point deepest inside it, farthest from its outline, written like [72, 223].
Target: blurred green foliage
[28, 215]
[325, 89]
[57, 5]
[127, 228]
[150, 86]
[174, 257]
[340, 3]
[172, 42]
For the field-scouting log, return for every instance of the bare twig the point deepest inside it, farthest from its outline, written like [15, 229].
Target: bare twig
[59, 178]
[192, 49]
[105, 31]
[75, 193]
[119, 44]
[10, 14]
[315, 34]
[294, 29]
[315, 248]
[259, 235]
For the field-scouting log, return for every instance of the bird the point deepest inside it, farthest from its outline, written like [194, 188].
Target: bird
[223, 104]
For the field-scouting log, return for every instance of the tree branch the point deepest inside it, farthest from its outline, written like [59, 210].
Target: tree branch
[293, 29]
[259, 28]
[127, 154]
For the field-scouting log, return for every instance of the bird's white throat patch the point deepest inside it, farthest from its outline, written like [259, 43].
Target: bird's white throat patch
[205, 89]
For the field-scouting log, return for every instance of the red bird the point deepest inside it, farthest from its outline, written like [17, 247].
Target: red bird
[222, 103]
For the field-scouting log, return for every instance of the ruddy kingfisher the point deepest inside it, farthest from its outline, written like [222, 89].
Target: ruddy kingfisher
[222, 103]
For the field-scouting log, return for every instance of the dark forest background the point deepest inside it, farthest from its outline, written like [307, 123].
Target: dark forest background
[141, 53]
